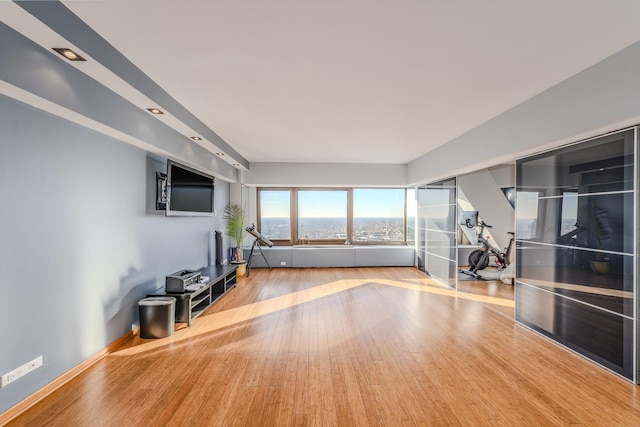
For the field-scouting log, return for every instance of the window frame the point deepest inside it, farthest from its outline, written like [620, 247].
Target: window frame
[278, 242]
[294, 223]
[404, 218]
[298, 239]
[540, 217]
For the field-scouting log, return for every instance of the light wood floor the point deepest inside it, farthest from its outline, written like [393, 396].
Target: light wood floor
[347, 347]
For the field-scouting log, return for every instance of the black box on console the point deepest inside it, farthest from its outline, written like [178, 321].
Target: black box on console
[178, 281]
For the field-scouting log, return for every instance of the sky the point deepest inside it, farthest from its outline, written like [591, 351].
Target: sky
[372, 203]
[527, 202]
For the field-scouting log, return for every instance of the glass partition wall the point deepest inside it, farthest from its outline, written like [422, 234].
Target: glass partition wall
[576, 248]
[421, 224]
[437, 247]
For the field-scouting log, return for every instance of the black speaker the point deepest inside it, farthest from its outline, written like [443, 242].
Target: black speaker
[218, 247]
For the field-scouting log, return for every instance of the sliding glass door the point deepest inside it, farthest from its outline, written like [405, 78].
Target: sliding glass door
[576, 248]
[437, 205]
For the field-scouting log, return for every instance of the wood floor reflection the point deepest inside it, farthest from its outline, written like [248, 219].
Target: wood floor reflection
[490, 288]
[344, 347]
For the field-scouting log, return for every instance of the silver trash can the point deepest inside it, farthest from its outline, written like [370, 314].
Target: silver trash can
[157, 316]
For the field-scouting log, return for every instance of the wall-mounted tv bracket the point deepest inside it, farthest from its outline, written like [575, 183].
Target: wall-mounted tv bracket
[161, 191]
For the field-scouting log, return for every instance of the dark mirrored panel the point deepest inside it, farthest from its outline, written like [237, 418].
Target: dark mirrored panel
[575, 187]
[576, 274]
[591, 221]
[602, 336]
[575, 228]
[600, 165]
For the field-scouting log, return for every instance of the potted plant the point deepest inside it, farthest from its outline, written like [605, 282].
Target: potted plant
[235, 216]
[602, 225]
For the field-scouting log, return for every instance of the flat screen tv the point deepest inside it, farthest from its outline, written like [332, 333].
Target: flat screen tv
[189, 192]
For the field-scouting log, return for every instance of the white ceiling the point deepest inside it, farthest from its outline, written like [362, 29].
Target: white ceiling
[357, 81]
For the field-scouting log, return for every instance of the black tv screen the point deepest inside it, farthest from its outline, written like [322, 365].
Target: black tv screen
[189, 192]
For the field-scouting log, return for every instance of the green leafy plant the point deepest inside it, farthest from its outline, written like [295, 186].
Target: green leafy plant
[235, 217]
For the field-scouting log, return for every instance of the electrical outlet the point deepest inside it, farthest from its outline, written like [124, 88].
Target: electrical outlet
[21, 371]
[283, 262]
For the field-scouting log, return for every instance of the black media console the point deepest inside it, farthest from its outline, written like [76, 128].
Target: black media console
[190, 305]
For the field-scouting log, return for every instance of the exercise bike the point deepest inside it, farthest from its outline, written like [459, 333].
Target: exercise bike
[479, 258]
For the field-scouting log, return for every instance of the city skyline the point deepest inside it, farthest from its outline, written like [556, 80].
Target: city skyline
[323, 228]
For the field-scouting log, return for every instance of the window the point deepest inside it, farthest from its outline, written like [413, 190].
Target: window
[527, 214]
[569, 212]
[412, 211]
[275, 214]
[322, 215]
[378, 214]
[334, 215]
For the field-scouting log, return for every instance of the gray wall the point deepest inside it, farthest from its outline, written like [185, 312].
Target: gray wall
[600, 99]
[325, 174]
[484, 193]
[40, 78]
[78, 247]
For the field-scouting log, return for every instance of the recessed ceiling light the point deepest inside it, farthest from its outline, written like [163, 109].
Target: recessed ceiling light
[69, 54]
[236, 165]
[220, 154]
[154, 111]
[196, 138]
